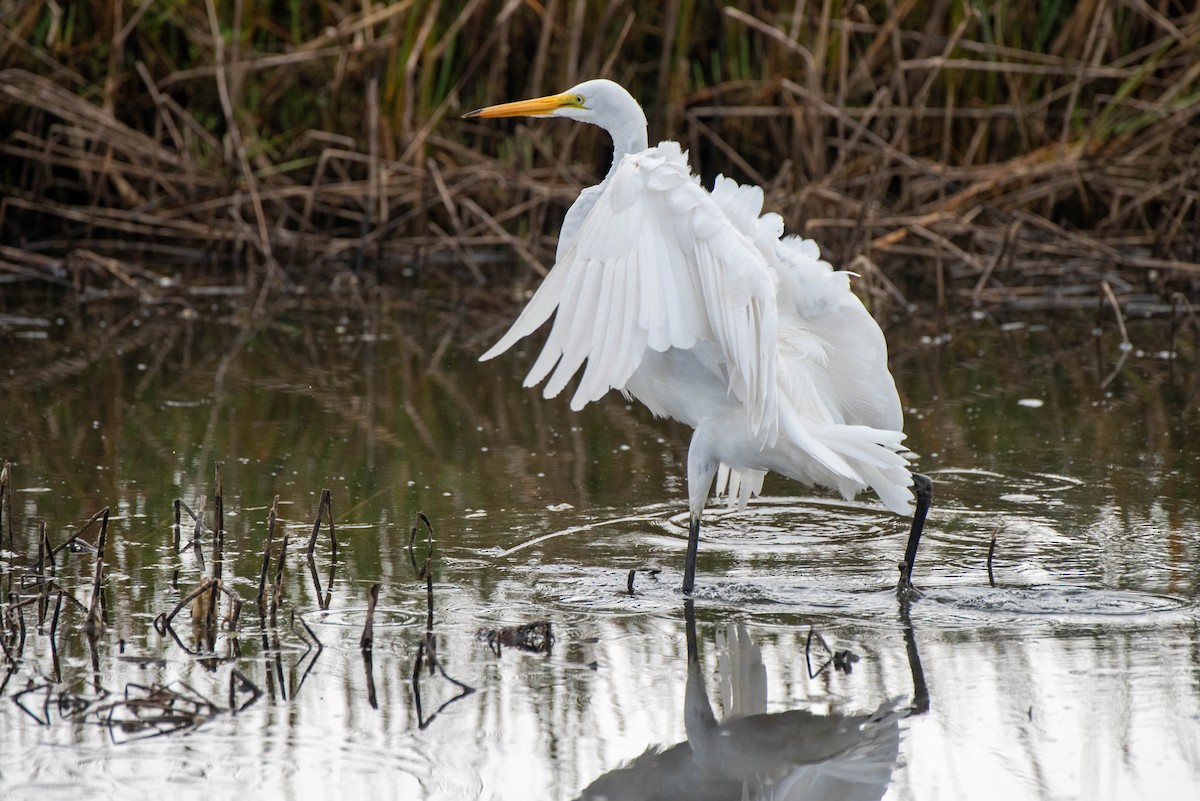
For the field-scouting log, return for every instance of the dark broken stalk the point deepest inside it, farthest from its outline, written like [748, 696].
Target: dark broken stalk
[266, 562]
[53, 639]
[94, 621]
[202, 616]
[367, 641]
[324, 602]
[991, 553]
[54, 619]
[163, 622]
[412, 538]
[45, 583]
[283, 691]
[210, 618]
[650, 571]
[368, 636]
[198, 531]
[234, 613]
[426, 573]
[43, 605]
[45, 552]
[369, 669]
[6, 490]
[308, 651]
[198, 528]
[842, 660]
[239, 682]
[103, 513]
[316, 581]
[175, 529]
[92, 638]
[325, 506]
[179, 504]
[41, 559]
[427, 645]
[15, 616]
[219, 524]
[277, 583]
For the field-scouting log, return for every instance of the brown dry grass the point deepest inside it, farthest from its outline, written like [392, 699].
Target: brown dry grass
[959, 155]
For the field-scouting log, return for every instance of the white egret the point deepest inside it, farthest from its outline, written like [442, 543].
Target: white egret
[697, 305]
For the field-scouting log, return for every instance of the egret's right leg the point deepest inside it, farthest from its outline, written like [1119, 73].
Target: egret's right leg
[923, 490]
[702, 468]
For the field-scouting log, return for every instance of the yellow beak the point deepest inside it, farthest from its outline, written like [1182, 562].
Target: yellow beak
[538, 107]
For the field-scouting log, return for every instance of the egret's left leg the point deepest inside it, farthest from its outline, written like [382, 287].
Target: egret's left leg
[702, 468]
[923, 490]
[689, 565]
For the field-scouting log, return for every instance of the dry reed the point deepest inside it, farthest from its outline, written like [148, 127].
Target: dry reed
[957, 154]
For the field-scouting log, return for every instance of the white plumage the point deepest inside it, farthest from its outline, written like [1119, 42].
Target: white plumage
[695, 303]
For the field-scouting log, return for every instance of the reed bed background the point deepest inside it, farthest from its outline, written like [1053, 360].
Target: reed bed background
[963, 154]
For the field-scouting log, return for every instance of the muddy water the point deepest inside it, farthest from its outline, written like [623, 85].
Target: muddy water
[796, 673]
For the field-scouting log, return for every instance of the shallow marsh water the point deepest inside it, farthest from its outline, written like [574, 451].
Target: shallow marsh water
[1076, 676]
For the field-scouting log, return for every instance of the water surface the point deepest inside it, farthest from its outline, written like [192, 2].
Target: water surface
[1076, 675]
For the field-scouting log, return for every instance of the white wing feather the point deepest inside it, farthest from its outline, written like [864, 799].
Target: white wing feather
[650, 261]
[656, 242]
[837, 400]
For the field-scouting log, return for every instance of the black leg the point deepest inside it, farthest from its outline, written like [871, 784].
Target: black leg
[689, 566]
[923, 489]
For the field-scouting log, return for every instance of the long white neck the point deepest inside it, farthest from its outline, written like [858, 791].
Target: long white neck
[629, 137]
[625, 122]
[628, 132]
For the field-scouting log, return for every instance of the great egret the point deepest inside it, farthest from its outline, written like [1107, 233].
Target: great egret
[697, 305]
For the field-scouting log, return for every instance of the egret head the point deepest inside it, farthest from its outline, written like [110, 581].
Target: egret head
[599, 102]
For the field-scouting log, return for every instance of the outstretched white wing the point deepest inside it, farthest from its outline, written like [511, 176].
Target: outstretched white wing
[656, 263]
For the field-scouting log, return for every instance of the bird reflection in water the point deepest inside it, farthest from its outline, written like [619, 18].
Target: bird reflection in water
[752, 754]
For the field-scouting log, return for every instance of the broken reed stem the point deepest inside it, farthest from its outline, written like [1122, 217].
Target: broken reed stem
[163, 622]
[991, 553]
[54, 619]
[198, 529]
[235, 610]
[181, 505]
[277, 583]
[43, 549]
[368, 636]
[424, 571]
[266, 561]
[219, 523]
[214, 605]
[1116, 307]
[412, 538]
[103, 513]
[94, 620]
[326, 504]
[1126, 346]
[6, 489]
[175, 528]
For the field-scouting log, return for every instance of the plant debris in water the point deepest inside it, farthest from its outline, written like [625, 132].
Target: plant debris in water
[535, 637]
[144, 710]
